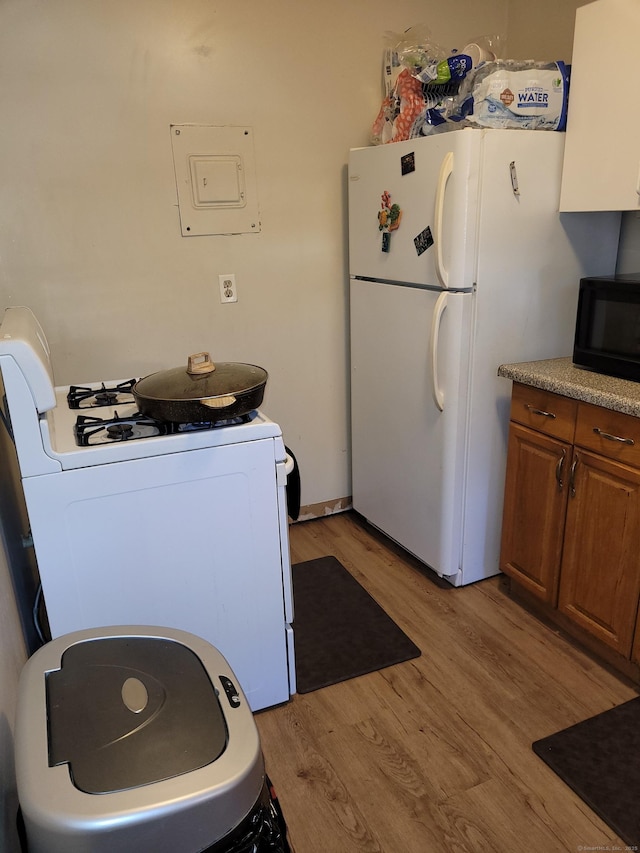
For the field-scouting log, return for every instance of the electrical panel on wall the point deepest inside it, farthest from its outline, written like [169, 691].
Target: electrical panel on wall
[215, 177]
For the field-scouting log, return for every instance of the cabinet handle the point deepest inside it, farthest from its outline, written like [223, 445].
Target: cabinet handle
[610, 437]
[539, 411]
[572, 476]
[559, 467]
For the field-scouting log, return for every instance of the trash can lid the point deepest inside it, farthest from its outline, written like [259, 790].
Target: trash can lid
[129, 711]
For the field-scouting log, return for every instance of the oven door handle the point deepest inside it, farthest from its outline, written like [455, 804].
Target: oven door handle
[293, 485]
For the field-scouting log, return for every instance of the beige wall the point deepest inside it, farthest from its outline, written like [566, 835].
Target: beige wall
[89, 229]
[542, 30]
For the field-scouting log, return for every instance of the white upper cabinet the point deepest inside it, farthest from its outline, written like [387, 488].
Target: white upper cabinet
[602, 152]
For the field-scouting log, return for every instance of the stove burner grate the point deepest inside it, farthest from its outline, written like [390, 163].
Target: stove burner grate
[200, 425]
[90, 430]
[83, 397]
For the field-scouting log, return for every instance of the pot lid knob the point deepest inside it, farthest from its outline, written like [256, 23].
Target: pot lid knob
[200, 363]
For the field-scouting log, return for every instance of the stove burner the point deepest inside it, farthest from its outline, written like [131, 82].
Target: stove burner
[106, 398]
[120, 431]
[83, 397]
[90, 430]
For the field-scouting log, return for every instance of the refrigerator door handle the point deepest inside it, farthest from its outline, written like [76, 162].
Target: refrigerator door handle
[446, 170]
[441, 304]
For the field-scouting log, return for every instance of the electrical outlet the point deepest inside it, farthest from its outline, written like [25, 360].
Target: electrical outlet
[228, 288]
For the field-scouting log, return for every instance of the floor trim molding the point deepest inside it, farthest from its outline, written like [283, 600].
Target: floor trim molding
[320, 510]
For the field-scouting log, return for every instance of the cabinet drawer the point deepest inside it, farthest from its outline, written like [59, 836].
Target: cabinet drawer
[611, 434]
[544, 411]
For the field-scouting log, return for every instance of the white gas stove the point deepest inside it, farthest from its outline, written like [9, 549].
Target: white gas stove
[137, 521]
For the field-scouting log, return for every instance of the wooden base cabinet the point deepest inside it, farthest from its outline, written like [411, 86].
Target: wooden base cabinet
[535, 499]
[571, 522]
[534, 511]
[600, 579]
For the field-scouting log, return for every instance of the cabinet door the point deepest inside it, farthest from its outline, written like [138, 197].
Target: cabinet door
[534, 511]
[600, 580]
[602, 150]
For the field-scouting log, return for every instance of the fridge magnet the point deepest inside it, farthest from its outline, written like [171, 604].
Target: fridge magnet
[389, 217]
[423, 241]
[408, 163]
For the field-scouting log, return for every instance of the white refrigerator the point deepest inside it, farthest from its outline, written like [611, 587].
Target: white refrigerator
[459, 262]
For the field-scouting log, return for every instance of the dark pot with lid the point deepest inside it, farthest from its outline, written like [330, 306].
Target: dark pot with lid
[202, 391]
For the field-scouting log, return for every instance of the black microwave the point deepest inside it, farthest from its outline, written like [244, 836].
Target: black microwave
[607, 337]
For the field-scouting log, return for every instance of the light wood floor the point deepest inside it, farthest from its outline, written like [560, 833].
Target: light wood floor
[434, 755]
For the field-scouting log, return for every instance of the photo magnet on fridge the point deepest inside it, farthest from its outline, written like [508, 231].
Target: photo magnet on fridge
[408, 163]
[423, 241]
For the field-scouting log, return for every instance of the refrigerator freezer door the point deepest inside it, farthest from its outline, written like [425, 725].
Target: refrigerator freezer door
[434, 183]
[408, 453]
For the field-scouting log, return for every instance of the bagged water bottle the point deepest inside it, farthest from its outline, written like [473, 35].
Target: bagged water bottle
[516, 94]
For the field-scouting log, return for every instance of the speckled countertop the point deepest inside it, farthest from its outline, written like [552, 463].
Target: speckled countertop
[561, 376]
